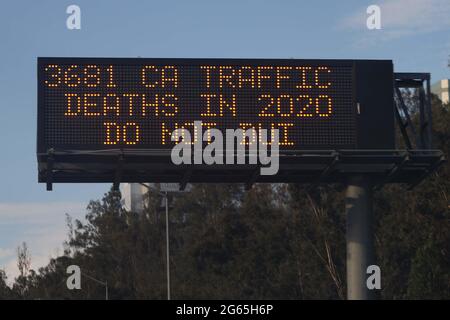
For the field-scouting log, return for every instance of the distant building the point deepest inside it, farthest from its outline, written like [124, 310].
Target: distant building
[133, 196]
[442, 90]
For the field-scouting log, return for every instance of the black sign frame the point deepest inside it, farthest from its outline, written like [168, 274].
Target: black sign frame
[372, 102]
[372, 99]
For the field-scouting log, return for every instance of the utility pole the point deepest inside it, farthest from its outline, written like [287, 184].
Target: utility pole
[360, 248]
[166, 188]
[167, 245]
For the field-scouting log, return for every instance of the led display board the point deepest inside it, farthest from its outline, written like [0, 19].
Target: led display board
[111, 119]
[136, 103]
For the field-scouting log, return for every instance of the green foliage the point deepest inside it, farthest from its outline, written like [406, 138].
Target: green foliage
[413, 229]
[5, 291]
[272, 242]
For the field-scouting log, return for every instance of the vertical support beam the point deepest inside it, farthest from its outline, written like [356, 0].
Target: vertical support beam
[50, 162]
[166, 198]
[423, 119]
[360, 248]
[429, 113]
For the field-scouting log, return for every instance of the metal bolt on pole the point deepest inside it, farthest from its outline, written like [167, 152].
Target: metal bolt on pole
[360, 248]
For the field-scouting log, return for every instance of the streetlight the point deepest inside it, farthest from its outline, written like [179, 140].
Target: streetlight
[167, 187]
[105, 284]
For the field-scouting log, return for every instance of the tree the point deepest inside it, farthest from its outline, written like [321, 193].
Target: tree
[22, 284]
[5, 291]
[413, 229]
[275, 241]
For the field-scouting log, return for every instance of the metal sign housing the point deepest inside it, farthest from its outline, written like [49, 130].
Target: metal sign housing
[110, 119]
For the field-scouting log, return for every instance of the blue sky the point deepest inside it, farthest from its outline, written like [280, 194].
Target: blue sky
[415, 34]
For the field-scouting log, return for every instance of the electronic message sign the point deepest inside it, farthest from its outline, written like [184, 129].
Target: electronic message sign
[111, 119]
[136, 103]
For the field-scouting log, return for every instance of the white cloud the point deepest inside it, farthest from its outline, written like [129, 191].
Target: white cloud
[401, 18]
[38, 212]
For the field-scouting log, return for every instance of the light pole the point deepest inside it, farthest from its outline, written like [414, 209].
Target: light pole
[99, 282]
[168, 187]
[167, 245]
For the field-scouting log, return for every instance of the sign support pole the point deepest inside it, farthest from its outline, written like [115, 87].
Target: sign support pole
[360, 247]
[166, 200]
